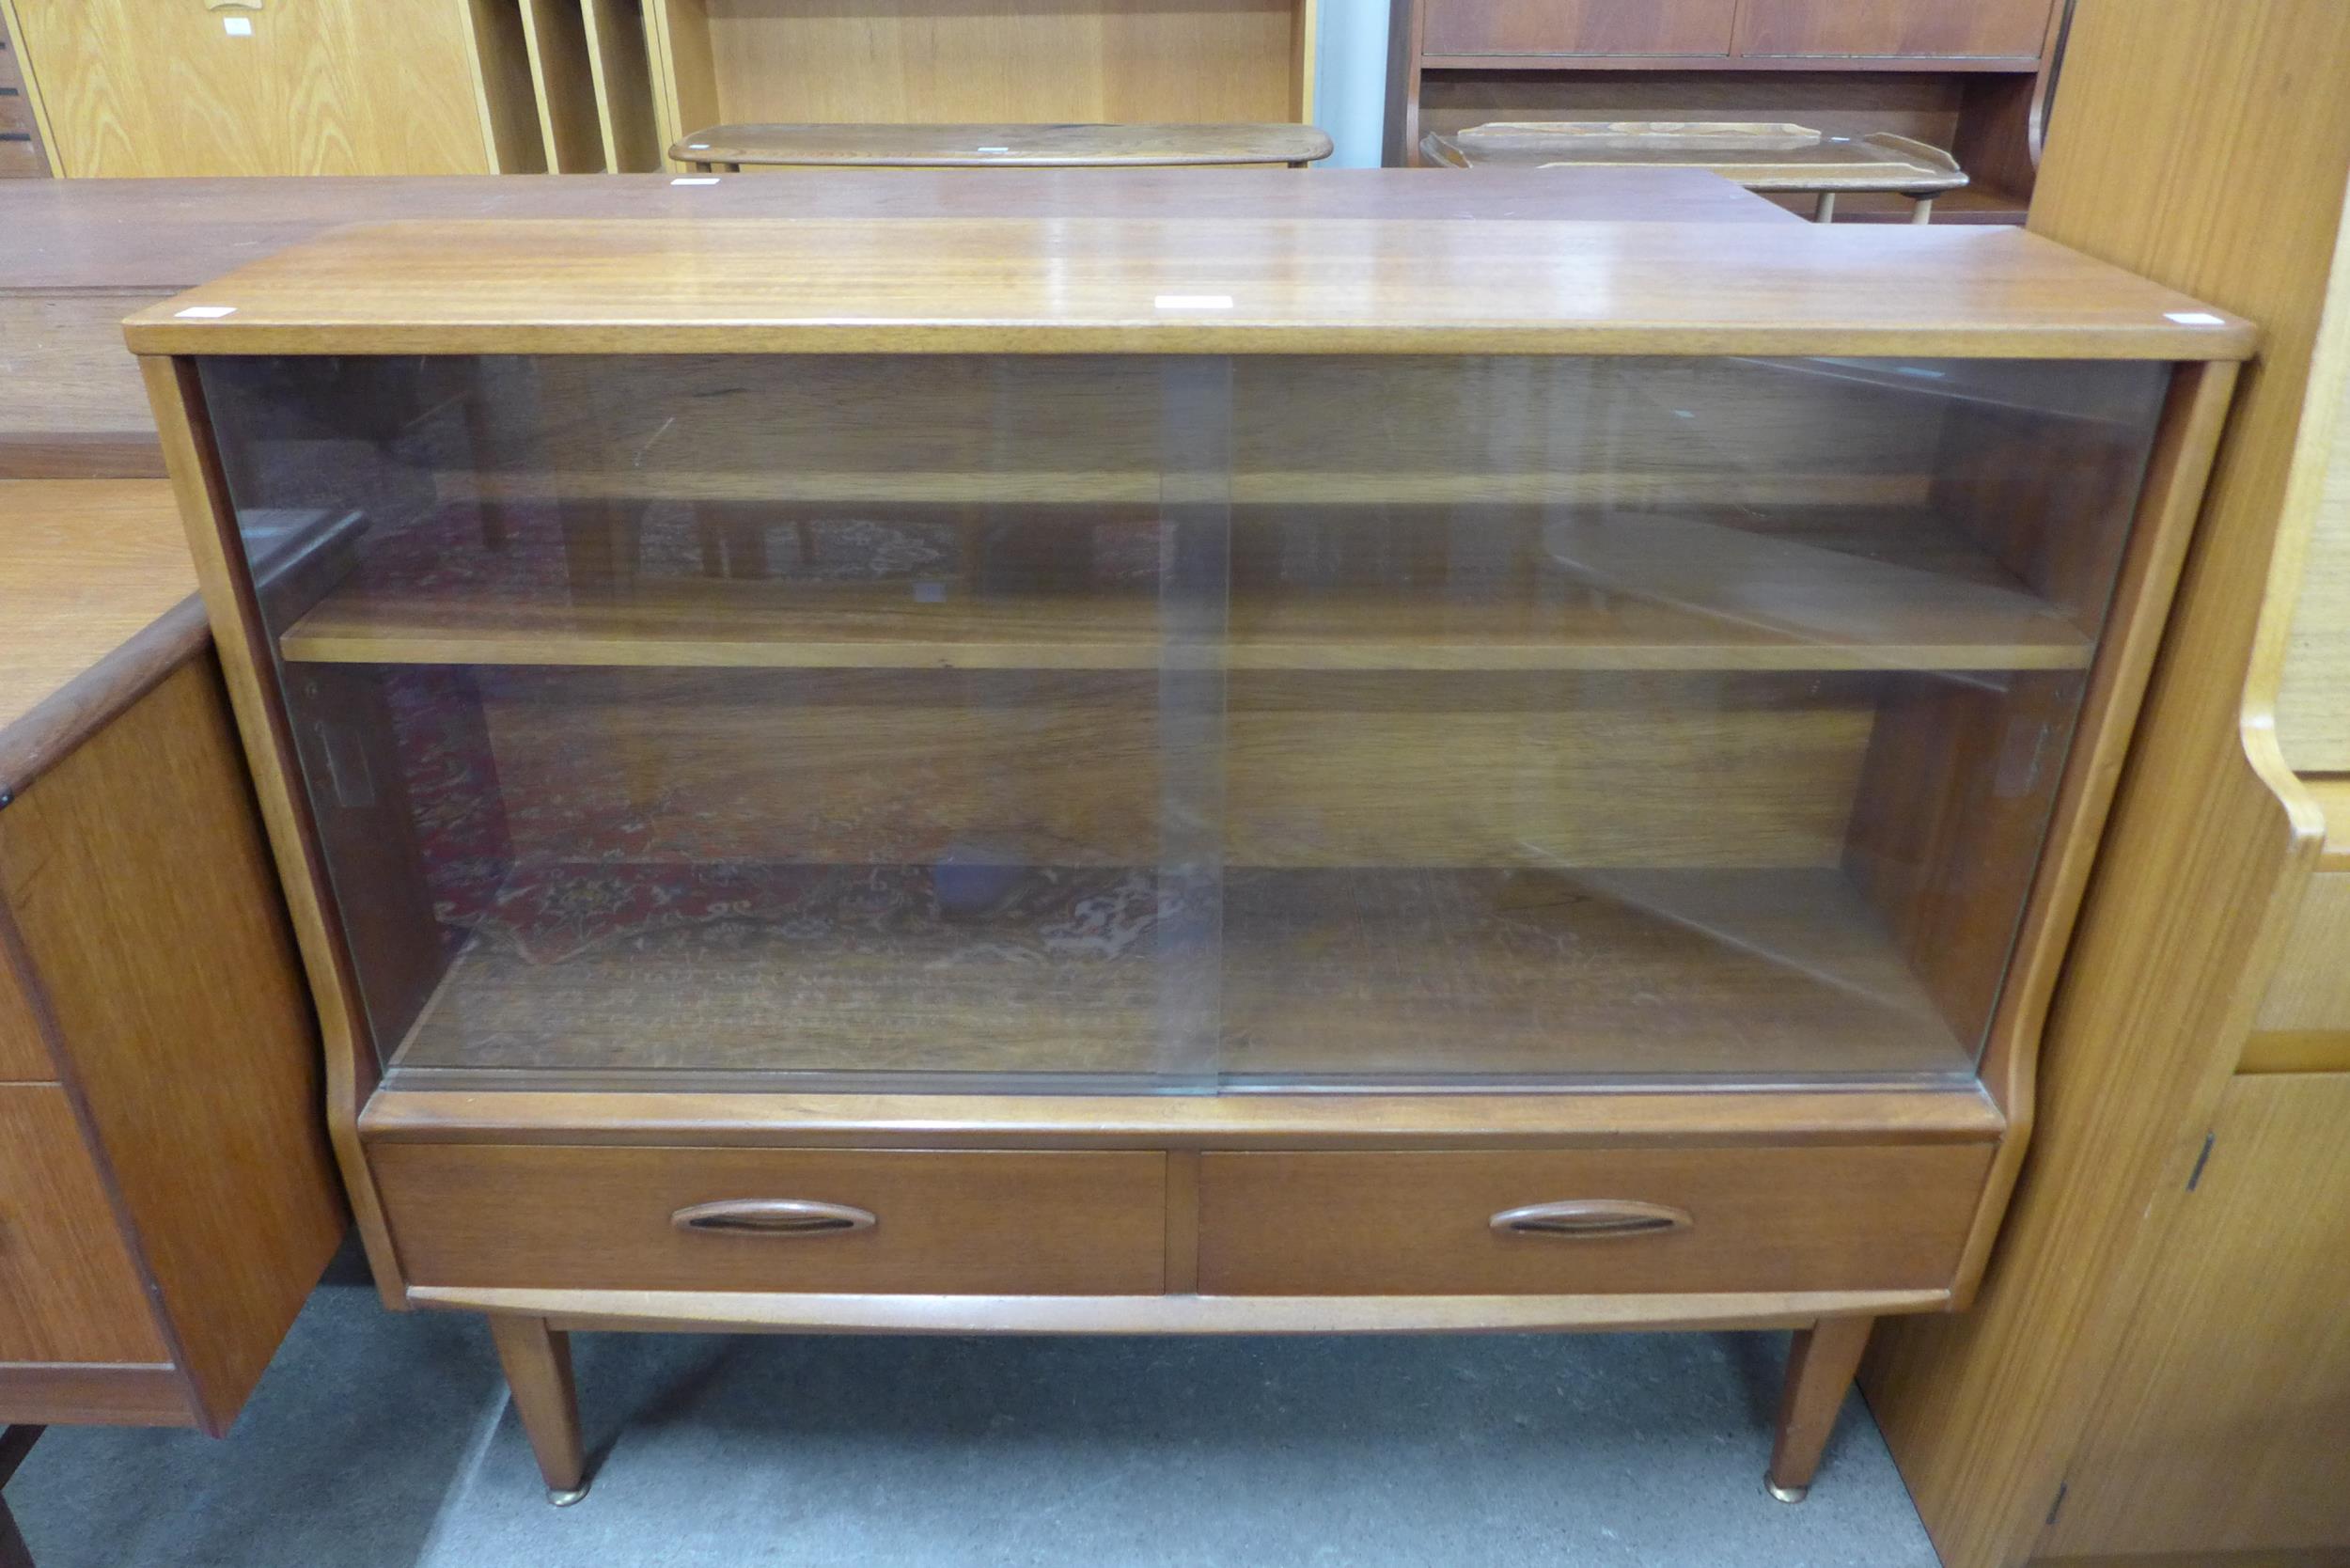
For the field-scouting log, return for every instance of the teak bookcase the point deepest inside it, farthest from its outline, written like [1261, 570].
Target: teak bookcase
[1240, 775]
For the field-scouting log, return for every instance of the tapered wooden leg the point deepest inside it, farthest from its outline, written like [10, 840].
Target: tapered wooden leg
[1820, 1369]
[537, 1363]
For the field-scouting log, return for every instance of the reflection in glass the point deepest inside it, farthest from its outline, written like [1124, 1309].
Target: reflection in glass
[1129, 723]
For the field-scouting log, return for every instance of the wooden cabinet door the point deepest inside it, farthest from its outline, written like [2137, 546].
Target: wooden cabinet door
[1935, 29]
[2221, 1425]
[1578, 26]
[145, 87]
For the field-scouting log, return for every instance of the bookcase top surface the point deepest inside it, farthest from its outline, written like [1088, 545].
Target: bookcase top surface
[1205, 285]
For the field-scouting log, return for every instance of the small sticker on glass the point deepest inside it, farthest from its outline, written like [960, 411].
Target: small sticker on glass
[2193, 317]
[205, 312]
[1194, 302]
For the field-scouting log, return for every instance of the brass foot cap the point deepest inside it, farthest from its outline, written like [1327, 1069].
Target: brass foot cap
[1785, 1494]
[561, 1498]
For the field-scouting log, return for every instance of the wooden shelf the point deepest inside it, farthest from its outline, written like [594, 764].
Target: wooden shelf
[1328, 975]
[1868, 590]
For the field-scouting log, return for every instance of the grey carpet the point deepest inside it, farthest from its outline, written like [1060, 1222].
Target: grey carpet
[382, 1441]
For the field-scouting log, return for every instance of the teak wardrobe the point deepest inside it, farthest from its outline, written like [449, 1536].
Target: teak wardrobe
[1097, 775]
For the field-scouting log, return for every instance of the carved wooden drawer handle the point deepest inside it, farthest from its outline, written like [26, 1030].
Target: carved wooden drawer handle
[1592, 1216]
[773, 1217]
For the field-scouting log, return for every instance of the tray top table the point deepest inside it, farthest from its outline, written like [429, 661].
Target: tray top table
[1759, 156]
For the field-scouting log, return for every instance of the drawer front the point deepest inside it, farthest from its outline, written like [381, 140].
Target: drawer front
[67, 1289]
[1578, 26]
[1899, 29]
[1592, 1221]
[946, 1223]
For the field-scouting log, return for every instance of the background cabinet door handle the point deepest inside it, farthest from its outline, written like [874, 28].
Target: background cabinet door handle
[1592, 1216]
[773, 1217]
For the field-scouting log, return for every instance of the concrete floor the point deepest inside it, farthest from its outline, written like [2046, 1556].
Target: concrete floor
[382, 1440]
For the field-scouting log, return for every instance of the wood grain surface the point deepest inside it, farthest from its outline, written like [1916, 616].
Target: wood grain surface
[807, 60]
[2314, 703]
[87, 566]
[2010, 29]
[313, 89]
[1323, 975]
[592, 1219]
[562, 86]
[167, 235]
[1352, 769]
[730, 1113]
[1337, 286]
[70, 397]
[538, 1367]
[2210, 835]
[745, 1312]
[69, 1291]
[2331, 794]
[1577, 26]
[1844, 589]
[95, 1393]
[1414, 1224]
[24, 1044]
[137, 874]
[2220, 1425]
[2308, 993]
[1018, 146]
[621, 71]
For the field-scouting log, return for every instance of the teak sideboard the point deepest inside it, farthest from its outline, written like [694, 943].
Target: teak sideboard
[1231, 775]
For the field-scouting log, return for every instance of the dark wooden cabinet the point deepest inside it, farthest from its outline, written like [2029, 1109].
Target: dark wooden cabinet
[1971, 78]
[1581, 26]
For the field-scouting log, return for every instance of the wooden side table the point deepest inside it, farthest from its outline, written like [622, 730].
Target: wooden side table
[730, 147]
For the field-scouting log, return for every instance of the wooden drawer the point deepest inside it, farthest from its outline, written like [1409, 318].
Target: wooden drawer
[1578, 26]
[67, 1289]
[1812, 1219]
[947, 1223]
[1898, 29]
[16, 111]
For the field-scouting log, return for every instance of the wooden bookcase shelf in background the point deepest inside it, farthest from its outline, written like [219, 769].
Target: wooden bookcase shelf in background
[946, 62]
[573, 86]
